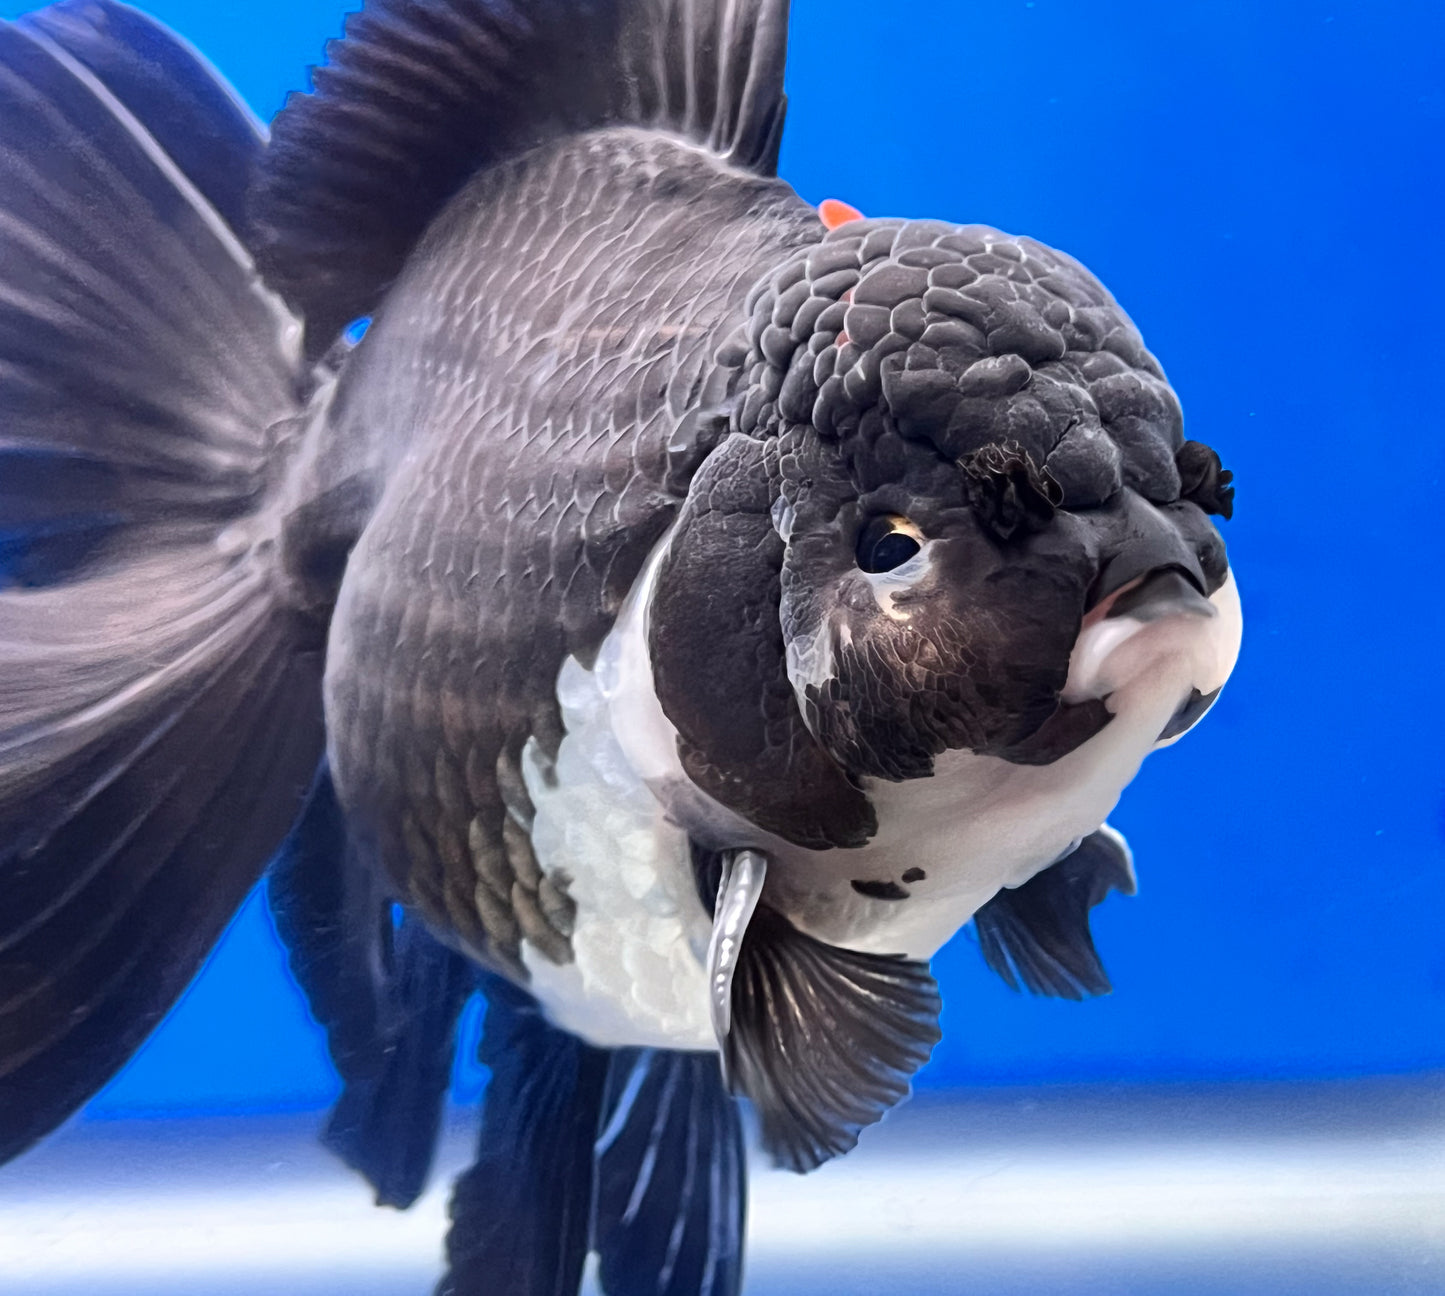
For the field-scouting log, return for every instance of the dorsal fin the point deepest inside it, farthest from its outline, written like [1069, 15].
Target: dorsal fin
[420, 95]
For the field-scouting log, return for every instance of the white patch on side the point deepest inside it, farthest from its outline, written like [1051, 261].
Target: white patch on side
[639, 977]
[980, 823]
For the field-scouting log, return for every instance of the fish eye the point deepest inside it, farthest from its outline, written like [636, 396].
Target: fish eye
[887, 543]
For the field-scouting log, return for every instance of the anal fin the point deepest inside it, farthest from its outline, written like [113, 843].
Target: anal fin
[671, 1181]
[634, 1154]
[387, 993]
[522, 1215]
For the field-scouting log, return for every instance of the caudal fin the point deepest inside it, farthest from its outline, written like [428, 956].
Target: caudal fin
[160, 715]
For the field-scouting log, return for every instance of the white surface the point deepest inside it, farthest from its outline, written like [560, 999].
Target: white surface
[1239, 1191]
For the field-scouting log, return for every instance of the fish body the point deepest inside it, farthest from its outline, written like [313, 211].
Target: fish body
[676, 616]
[540, 410]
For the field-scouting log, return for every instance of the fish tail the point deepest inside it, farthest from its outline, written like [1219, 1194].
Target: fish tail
[160, 707]
[633, 1154]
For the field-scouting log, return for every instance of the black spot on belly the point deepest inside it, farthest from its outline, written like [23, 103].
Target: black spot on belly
[880, 890]
[914, 875]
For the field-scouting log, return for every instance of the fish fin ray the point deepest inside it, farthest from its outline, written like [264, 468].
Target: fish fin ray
[344, 192]
[1037, 935]
[671, 1178]
[130, 832]
[521, 1215]
[824, 1041]
[170, 88]
[142, 359]
[160, 701]
[388, 995]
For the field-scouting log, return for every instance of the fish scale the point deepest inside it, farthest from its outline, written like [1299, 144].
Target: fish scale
[603, 436]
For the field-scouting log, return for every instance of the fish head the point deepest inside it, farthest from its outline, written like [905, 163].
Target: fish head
[976, 460]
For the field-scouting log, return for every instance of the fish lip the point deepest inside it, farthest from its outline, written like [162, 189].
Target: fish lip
[1170, 585]
[1122, 572]
[1166, 591]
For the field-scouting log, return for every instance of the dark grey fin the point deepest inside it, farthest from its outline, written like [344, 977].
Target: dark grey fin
[521, 1216]
[671, 1193]
[387, 993]
[720, 664]
[160, 706]
[417, 97]
[201, 123]
[1038, 934]
[824, 1041]
[1193, 709]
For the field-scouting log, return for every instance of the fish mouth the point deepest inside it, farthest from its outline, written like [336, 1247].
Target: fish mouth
[1166, 591]
[1162, 592]
[1086, 703]
[1186, 631]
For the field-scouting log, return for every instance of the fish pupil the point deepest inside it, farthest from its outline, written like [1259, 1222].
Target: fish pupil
[882, 547]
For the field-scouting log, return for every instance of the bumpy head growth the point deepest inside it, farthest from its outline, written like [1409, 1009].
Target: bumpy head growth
[972, 448]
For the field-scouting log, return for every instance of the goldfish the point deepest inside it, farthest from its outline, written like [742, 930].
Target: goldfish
[584, 573]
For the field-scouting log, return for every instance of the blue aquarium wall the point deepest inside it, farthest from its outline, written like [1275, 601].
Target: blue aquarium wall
[1259, 184]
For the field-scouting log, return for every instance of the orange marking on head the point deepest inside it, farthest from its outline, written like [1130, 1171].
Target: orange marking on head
[835, 212]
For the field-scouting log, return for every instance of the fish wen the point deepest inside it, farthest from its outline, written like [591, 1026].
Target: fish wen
[675, 616]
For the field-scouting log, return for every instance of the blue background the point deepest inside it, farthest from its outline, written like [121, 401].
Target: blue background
[1259, 184]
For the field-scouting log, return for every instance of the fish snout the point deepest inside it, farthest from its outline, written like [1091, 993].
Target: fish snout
[1142, 543]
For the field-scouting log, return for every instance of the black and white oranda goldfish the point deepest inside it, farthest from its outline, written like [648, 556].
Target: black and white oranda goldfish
[677, 614]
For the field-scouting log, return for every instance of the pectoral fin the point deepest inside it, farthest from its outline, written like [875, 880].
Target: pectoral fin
[1038, 934]
[821, 1040]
